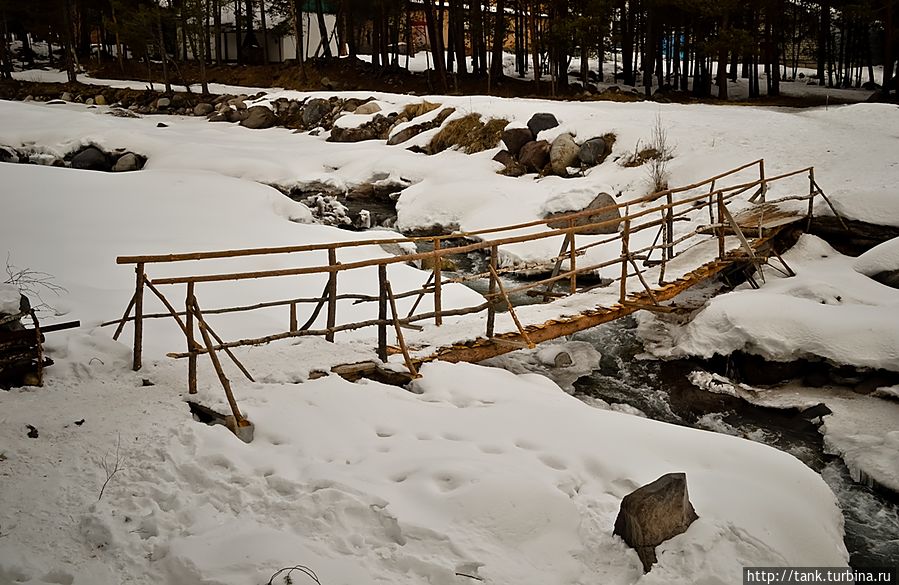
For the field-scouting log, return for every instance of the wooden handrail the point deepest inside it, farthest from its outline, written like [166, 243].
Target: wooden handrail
[645, 216]
[166, 258]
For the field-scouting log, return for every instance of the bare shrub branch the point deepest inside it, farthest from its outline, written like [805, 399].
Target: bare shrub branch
[288, 580]
[111, 466]
[31, 283]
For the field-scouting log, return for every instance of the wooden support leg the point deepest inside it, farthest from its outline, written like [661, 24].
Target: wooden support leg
[502, 291]
[125, 319]
[382, 313]
[438, 293]
[399, 332]
[332, 294]
[138, 316]
[491, 308]
[191, 343]
[217, 364]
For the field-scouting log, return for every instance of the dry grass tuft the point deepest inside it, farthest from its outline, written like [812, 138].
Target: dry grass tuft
[469, 133]
[640, 157]
[415, 110]
[456, 132]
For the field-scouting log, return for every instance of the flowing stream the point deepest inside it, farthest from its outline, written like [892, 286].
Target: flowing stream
[662, 391]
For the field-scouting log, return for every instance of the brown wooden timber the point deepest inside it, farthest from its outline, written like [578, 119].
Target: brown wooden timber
[399, 331]
[140, 278]
[191, 343]
[217, 364]
[438, 292]
[124, 319]
[484, 348]
[332, 294]
[502, 291]
[456, 235]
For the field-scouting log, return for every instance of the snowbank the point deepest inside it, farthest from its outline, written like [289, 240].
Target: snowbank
[86, 219]
[454, 189]
[881, 258]
[828, 310]
[482, 472]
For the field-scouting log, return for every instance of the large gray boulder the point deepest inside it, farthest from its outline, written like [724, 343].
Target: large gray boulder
[163, 103]
[367, 108]
[377, 129]
[608, 215]
[654, 513]
[542, 121]
[504, 158]
[8, 155]
[259, 117]
[515, 138]
[314, 112]
[563, 154]
[593, 152]
[127, 162]
[91, 158]
[203, 109]
[235, 115]
[534, 155]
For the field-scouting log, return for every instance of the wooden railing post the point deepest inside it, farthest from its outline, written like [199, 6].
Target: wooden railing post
[711, 203]
[191, 344]
[572, 258]
[293, 318]
[625, 254]
[138, 315]
[720, 228]
[438, 292]
[491, 307]
[811, 197]
[382, 312]
[332, 294]
[764, 188]
[669, 228]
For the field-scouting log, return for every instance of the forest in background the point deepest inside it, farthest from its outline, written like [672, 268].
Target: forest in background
[675, 44]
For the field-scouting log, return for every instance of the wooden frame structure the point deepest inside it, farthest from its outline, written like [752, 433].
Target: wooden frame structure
[658, 211]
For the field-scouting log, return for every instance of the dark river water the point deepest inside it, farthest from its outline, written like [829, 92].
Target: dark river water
[662, 391]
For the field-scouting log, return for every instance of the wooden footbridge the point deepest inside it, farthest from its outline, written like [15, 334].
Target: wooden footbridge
[655, 247]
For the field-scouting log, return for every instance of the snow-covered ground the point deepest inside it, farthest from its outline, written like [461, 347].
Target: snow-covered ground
[479, 472]
[828, 310]
[863, 430]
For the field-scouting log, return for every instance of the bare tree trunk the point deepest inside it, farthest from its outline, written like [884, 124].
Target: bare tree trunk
[70, 45]
[627, 42]
[217, 29]
[436, 40]
[722, 59]
[265, 55]
[823, 38]
[478, 42]
[5, 61]
[297, 12]
[162, 51]
[238, 26]
[323, 29]
[499, 37]
[535, 45]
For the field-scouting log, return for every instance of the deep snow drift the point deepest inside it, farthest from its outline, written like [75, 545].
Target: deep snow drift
[479, 472]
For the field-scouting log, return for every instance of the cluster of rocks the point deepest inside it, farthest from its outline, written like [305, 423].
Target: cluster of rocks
[88, 157]
[129, 103]
[525, 154]
[357, 207]
[320, 115]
